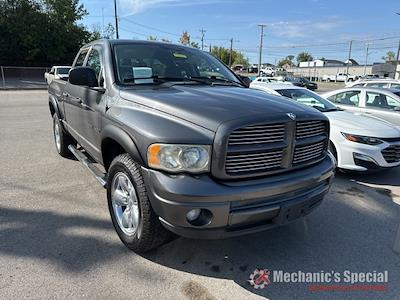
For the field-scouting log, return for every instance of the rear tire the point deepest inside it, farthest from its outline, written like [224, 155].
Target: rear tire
[61, 139]
[133, 217]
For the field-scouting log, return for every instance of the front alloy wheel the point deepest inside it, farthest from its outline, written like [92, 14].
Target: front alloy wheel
[133, 218]
[125, 204]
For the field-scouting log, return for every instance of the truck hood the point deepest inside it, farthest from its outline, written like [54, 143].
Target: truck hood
[360, 124]
[209, 106]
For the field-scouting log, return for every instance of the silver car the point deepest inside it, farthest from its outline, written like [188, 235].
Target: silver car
[378, 102]
[375, 83]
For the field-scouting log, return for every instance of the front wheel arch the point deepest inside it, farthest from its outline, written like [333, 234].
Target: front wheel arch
[115, 141]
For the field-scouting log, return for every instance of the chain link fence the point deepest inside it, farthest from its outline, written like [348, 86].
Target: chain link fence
[23, 77]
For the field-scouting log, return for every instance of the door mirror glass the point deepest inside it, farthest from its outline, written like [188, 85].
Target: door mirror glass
[246, 80]
[83, 76]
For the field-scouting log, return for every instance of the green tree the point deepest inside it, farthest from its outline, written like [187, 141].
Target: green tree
[194, 45]
[390, 56]
[109, 31]
[41, 32]
[152, 38]
[287, 61]
[223, 54]
[304, 56]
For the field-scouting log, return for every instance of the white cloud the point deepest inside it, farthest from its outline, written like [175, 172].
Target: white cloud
[131, 7]
[301, 29]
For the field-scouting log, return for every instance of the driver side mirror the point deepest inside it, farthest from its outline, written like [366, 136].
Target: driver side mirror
[246, 80]
[83, 76]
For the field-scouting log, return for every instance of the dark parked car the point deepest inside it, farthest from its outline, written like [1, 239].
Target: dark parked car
[184, 146]
[308, 84]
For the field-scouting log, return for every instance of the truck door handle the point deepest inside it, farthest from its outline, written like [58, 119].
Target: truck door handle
[76, 99]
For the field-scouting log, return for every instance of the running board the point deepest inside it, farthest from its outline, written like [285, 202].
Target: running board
[96, 172]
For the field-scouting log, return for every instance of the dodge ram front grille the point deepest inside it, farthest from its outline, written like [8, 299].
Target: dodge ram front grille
[262, 149]
[255, 162]
[308, 153]
[306, 129]
[257, 134]
[392, 154]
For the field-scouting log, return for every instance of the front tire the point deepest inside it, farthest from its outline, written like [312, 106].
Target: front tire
[131, 213]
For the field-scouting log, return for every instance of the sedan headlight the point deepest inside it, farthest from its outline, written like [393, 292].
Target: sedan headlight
[179, 158]
[362, 139]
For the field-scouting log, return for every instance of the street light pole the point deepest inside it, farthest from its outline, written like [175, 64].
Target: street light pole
[261, 47]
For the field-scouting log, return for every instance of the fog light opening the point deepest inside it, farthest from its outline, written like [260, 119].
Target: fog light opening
[199, 217]
[364, 157]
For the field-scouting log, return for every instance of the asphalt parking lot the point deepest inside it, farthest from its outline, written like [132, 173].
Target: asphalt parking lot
[57, 241]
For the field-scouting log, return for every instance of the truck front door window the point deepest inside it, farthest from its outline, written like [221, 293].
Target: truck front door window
[94, 62]
[81, 58]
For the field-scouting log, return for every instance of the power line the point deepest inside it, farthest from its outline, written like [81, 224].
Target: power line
[152, 28]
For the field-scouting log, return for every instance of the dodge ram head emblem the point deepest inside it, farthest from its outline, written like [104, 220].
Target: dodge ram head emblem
[291, 115]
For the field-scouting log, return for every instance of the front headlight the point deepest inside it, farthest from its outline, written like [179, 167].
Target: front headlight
[179, 158]
[362, 139]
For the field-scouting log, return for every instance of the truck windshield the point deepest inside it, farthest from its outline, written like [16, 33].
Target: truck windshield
[163, 62]
[309, 98]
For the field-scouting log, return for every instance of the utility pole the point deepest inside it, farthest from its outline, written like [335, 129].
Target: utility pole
[202, 38]
[230, 54]
[348, 59]
[366, 59]
[261, 47]
[102, 17]
[397, 73]
[116, 19]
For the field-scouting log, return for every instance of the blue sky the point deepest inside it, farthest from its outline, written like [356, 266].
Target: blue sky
[292, 26]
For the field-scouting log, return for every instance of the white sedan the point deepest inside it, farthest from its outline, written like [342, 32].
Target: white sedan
[359, 143]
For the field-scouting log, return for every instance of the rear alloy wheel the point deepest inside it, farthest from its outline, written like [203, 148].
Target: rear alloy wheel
[61, 139]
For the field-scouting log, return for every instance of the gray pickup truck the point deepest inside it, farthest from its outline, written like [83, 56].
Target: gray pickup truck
[183, 146]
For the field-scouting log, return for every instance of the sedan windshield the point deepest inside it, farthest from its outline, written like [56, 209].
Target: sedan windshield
[309, 98]
[165, 62]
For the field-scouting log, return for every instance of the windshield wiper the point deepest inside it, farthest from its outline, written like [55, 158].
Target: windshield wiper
[218, 81]
[164, 79]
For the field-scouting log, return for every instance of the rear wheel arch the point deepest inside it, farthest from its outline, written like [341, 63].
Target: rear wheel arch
[53, 107]
[115, 141]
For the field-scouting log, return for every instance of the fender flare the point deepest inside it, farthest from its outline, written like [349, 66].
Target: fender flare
[53, 103]
[121, 137]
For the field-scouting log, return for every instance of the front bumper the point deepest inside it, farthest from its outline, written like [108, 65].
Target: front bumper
[360, 157]
[237, 207]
